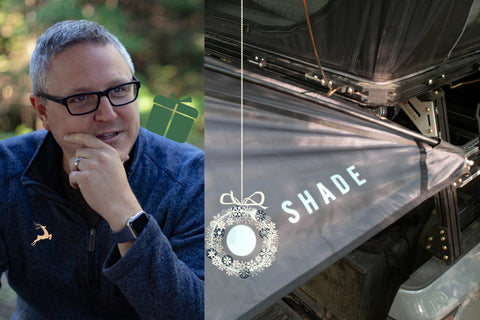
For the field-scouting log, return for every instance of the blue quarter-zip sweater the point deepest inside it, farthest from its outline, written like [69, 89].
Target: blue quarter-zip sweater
[75, 271]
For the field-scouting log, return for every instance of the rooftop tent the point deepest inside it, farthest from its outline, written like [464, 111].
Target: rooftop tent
[379, 43]
[375, 40]
[320, 176]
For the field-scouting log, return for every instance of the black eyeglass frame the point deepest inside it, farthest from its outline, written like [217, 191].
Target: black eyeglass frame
[99, 94]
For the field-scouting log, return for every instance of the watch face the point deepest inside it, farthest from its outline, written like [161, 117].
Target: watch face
[139, 223]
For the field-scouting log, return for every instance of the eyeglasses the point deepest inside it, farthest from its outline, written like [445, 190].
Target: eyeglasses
[83, 103]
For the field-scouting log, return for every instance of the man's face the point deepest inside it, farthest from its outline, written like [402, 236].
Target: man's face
[84, 68]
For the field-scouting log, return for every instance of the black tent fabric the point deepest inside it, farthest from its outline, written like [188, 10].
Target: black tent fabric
[320, 177]
[374, 40]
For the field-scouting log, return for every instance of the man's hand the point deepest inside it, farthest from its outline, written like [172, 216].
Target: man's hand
[102, 179]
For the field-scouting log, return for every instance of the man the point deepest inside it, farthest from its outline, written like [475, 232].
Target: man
[99, 218]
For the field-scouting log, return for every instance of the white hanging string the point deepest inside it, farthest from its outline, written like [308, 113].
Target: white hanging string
[241, 99]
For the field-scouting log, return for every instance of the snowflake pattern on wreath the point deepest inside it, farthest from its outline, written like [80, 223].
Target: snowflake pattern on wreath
[215, 234]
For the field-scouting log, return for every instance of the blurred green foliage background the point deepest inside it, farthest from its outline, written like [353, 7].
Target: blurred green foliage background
[164, 37]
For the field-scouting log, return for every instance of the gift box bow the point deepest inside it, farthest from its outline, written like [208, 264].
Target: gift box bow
[177, 105]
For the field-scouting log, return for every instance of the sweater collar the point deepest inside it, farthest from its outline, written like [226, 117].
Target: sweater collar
[46, 164]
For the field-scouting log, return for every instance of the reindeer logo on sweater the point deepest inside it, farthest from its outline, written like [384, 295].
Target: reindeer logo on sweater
[43, 236]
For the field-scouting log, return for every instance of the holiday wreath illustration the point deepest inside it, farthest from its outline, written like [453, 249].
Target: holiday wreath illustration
[233, 236]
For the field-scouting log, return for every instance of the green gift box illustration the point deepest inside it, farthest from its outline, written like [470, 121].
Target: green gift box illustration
[172, 118]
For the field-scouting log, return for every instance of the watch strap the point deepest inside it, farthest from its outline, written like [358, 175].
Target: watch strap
[124, 235]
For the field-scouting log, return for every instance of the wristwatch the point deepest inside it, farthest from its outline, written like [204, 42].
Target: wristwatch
[133, 228]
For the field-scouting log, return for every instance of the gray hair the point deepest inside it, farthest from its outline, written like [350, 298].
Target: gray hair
[63, 35]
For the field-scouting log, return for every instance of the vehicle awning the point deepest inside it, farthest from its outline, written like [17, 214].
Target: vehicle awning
[332, 176]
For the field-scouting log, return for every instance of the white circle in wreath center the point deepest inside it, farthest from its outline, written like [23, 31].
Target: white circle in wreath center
[241, 240]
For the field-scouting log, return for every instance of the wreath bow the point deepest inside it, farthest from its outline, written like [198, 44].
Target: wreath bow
[248, 201]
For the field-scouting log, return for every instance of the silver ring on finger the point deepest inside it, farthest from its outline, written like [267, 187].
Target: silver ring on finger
[76, 163]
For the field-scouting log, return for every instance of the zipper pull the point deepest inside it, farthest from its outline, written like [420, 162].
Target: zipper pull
[91, 240]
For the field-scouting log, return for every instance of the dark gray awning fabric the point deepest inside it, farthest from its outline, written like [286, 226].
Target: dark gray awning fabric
[330, 182]
[375, 40]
